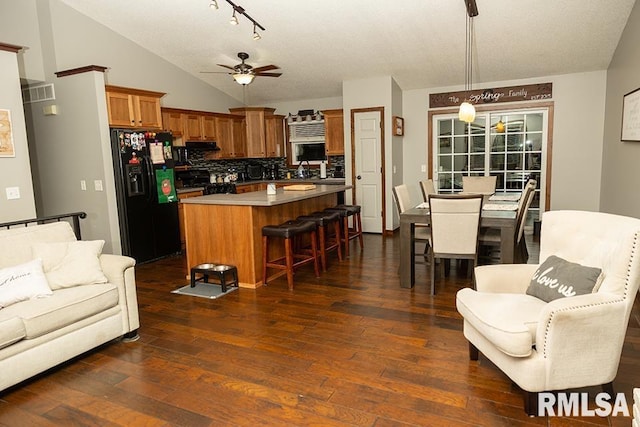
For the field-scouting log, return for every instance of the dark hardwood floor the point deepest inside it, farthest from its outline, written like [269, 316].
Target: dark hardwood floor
[349, 348]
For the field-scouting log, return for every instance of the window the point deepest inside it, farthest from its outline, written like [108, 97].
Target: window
[512, 145]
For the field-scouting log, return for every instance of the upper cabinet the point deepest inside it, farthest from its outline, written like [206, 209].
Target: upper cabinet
[133, 108]
[334, 132]
[263, 130]
[199, 126]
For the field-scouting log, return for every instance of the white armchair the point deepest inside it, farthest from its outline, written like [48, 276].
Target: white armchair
[568, 342]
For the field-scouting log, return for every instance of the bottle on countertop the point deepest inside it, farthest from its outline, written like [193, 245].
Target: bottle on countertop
[323, 170]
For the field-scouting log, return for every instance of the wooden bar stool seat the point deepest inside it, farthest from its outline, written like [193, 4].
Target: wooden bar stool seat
[291, 259]
[348, 234]
[324, 220]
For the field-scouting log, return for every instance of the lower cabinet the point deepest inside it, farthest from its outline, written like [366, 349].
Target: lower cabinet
[184, 195]
[248, 188]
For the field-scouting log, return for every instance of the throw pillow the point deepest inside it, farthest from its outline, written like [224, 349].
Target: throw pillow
[559, 278]
[68, 264]
[23, 282]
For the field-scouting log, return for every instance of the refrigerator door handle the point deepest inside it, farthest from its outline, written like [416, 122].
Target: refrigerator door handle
[150, 179]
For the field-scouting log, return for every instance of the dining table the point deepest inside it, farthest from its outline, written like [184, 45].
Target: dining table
[500, 214]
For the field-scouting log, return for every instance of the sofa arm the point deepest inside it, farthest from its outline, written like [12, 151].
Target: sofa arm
[581, 339]
[120, 272]
[504, 278]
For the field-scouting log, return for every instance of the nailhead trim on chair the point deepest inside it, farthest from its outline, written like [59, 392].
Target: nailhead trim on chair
[626, 290]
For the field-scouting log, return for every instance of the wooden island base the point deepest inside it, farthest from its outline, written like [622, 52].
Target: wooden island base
[232, 234]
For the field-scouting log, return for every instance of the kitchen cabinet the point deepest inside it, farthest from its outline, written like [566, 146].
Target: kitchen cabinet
[239, 137]
[224, 137]
[198, 127]
[334, 132]
[184, 195]
[172, 122]
[248, 188]
[274, 134]
[257, 128]
[133, 108]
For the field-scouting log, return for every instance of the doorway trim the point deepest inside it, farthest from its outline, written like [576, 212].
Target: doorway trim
[353, 112]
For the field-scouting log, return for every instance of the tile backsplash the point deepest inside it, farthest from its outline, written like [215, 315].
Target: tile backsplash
[225, 166]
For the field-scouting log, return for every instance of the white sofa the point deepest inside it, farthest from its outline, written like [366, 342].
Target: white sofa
[40, 333]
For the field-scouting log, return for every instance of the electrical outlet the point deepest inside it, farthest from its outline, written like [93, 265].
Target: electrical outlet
[83, 185]
[13, 193]
[97, 184]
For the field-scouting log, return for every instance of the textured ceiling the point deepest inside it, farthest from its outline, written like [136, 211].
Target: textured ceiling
[320, 44]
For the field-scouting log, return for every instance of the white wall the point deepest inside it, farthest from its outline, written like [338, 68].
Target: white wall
[15, 171]
[577, 136]
[621, 175]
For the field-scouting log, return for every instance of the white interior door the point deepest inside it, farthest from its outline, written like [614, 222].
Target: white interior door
[368, 169]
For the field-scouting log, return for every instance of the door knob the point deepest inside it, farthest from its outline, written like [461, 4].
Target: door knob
[358, 177]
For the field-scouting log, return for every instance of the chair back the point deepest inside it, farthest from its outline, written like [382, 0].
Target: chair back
[455, 222]
[427, 188]
[479, 184]
[402, 198]
[523, 207]
[596, 239]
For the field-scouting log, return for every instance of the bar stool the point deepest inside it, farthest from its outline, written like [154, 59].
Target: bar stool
[288, 231]
[324, 220]
[347, 235]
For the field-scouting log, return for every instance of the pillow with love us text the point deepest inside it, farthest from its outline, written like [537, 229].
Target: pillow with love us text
[559, 278]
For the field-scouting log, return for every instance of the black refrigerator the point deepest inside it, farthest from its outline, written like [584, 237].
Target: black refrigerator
[146, 194]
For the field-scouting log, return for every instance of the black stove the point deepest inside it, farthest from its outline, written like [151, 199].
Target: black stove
[220, 188]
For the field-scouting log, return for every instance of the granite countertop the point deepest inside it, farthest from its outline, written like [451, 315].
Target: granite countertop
[325, 181]
[261, 198]
[188, 189]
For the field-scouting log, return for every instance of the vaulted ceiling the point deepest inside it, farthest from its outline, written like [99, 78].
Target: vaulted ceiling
[320, 44]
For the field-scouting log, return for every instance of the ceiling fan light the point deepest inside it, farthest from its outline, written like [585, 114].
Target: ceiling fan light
[233, 20]
[243, 78]
[467, 112]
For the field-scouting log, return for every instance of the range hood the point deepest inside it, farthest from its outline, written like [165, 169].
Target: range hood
[202, 145]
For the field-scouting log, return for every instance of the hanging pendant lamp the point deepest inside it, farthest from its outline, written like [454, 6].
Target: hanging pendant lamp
[467, 112]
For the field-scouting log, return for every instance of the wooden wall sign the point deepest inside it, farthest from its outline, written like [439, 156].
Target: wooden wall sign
[534, 92]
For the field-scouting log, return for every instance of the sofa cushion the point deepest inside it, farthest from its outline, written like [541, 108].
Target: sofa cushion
[509, 321]
[68, 264]
[63, 308]
[11, 330]
[21, 282]
[559, 278]
[15, 243]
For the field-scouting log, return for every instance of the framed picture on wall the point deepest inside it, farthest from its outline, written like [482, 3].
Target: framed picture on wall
[631, 116]
[7, 149]
[398, 125]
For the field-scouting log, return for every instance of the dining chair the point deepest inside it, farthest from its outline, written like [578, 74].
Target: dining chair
[491, 237]
[479, 184]
[427, 188]
[422, 233]
[455, 223]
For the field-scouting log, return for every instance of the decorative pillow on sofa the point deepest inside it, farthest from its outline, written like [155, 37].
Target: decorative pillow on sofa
[23, 282]
[68, 264]
[559, 278]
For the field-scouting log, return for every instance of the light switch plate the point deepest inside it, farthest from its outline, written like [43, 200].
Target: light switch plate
[423, 168]
[97, 184]
[83, 185]
[13, 193]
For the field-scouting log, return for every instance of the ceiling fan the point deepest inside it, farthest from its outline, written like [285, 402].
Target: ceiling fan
[244, 73]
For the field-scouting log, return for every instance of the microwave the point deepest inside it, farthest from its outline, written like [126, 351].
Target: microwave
[312, 152]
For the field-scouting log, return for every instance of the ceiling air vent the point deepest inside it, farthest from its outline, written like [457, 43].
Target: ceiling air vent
[38, 93]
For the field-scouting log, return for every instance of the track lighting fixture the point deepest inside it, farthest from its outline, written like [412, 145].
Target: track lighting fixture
[256, 35]
[234, 19]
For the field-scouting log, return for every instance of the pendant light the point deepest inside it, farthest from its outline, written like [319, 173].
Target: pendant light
[467, 112]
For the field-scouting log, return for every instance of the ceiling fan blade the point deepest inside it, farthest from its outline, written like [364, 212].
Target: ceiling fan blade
[214, 72]
[266, 68]
[269, 74]
[226, 66]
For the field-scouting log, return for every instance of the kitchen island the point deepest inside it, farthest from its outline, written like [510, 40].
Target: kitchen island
[227, 228]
